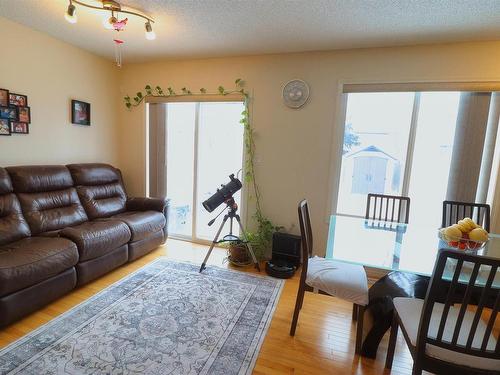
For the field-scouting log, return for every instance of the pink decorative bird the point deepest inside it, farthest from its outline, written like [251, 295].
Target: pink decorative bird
[120, 25]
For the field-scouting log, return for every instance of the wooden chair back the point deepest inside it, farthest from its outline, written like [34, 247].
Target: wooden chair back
[391, 208]
[454, 211]
[305, 234]
[488, 293]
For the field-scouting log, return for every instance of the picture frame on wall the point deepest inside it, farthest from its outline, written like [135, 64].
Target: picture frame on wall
[80, 112]
[8, 113]
[24, 114]
[4, 126]
[19, 127]
[4, 97]
[18, 100]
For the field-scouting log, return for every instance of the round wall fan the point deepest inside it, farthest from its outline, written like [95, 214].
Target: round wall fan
[295, 93]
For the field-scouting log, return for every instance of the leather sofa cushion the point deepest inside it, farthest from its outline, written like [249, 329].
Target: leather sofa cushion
[40, 178]
[97, 238]
[100, 189]
[52, 210]
[103, 200]
[142, 223]
[92, 174]
[5, 183]
[31, 260]
[13, 226]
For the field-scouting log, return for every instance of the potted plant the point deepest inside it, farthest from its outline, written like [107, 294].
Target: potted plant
[238, 254]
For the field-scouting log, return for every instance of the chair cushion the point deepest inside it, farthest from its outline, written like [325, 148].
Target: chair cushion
[97, 238]
[142, 223]
[409, 311]
[31, 260]
[343, 280]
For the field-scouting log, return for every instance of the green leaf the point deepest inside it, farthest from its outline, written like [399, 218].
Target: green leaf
[147, 87]
[221, 90]
[203, 90]
[139, 94]
[128, 105]
[184, 90]
[127, 98]
[238, 82]
[136, 99]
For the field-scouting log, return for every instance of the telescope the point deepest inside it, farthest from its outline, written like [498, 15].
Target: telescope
[225, 195]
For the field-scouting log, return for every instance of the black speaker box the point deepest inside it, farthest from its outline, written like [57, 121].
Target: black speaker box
[286, 247]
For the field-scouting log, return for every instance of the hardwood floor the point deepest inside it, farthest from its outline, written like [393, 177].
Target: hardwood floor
[323, 344]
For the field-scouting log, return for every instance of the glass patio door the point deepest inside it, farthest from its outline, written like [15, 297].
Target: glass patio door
[204, 146]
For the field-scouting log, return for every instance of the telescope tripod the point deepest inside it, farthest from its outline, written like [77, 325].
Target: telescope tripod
[231, 215]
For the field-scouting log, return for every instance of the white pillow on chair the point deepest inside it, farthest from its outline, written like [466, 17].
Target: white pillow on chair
[343, 280]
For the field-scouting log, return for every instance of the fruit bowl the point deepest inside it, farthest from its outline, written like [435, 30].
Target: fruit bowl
[461, 243]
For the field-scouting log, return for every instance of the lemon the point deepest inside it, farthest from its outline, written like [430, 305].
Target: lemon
[452, 233]
[463, 226]
[478, 234]
[470, 223]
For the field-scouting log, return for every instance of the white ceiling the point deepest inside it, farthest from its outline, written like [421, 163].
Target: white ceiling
[206, 28]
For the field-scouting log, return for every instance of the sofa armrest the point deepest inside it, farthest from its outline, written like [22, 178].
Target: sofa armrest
[151, 204]
[148, 204]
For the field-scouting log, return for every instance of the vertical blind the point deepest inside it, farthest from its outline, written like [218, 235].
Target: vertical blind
[157, 150]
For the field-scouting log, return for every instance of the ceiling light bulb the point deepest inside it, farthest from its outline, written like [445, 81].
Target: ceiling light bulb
[70, 14]
[150, 34]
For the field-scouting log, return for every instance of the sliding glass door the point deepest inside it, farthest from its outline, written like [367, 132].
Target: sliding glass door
[204, 146]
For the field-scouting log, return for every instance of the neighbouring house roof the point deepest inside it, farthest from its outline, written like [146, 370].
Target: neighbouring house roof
[373, 149]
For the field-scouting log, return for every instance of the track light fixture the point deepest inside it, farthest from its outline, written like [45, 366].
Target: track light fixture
[70, 14]
[150, 34]
[111, 22]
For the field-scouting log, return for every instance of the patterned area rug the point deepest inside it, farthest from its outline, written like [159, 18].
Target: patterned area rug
[166, 318]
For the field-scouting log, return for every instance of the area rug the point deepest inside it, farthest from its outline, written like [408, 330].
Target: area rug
[166, 318]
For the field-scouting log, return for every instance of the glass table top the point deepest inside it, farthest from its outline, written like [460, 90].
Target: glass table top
[394, 246]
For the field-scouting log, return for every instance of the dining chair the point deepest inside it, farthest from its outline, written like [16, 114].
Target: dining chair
[338, 279]
[452, 337]
[454, 211]
[393, 208]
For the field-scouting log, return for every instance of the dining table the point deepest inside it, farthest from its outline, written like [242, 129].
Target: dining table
[405, 255]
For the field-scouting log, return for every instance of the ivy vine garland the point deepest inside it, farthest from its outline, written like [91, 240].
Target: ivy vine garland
[261, 239]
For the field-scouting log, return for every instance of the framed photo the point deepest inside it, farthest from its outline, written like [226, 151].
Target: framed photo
[23, 114]
[4, 126]
[80, 113]
[4, 97]
[19, 127]
[18, 100]
[8, 113]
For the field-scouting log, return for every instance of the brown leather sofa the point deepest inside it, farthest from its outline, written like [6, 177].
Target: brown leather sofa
[63, 226]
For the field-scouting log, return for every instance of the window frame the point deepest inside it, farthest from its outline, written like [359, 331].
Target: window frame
[345, 87]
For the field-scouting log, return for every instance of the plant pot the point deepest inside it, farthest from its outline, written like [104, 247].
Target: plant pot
[238, 254]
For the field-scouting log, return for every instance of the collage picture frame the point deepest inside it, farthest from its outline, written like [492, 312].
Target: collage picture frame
[15, 114]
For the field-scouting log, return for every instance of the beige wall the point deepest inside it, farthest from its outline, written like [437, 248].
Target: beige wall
[52, 73]
[294, 147]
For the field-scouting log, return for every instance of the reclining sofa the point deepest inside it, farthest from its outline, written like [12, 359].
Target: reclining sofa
[64, 226]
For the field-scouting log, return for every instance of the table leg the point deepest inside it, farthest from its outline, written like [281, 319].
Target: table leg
[394, 284]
